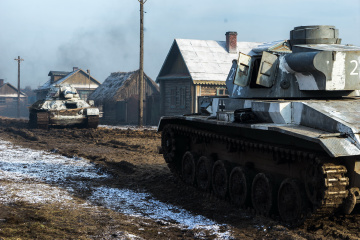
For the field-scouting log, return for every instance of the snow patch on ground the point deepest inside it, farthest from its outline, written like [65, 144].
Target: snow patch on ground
[131, 127]
[43, 177]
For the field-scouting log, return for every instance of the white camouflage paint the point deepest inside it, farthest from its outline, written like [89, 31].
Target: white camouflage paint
[215, 106]
[283, 66]
[338, 73]
[92, 111]
[306, 82]
[248, 104]
[297, 108]
[280, 113]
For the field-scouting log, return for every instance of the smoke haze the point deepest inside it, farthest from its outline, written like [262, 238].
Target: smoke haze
[103, 36]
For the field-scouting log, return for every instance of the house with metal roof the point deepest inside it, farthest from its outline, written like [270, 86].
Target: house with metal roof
[195, 68]
[84, 83]
[118, 97]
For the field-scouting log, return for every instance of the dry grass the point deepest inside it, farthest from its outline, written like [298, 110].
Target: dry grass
[52, 221]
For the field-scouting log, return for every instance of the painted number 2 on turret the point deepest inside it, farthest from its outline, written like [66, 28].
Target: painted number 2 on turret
[355, 70]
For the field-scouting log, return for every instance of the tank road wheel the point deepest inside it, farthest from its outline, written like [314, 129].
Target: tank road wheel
[291, 203]
[220, 179]
[203, 173]
[314, 184]
[168, 144]
[188, 168]
[262, 194]
[239, 186]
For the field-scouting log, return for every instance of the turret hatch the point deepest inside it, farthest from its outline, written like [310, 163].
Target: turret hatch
[266, 74]
[243, 71]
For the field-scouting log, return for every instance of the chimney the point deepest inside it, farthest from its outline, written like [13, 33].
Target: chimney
[1, 82]
[231, 42]
[75, 69]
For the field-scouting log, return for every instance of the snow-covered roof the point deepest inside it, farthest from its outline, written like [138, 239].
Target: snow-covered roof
[209, 60]
[108, 89]
[11, 94]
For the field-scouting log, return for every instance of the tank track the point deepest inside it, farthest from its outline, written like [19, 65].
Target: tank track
[335, 184]
[92, 122]
[330, 177]
[39, 120]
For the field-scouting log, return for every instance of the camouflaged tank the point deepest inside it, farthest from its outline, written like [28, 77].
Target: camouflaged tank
[63, 107]
[286, 141]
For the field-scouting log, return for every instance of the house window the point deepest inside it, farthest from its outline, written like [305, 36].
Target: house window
[182, 97]
[222, 92]
[2, 101]
[173, 97]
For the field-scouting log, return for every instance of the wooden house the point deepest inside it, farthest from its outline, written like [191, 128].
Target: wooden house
[118, 97]
[195, 68]
[9, 98]
[84, 83]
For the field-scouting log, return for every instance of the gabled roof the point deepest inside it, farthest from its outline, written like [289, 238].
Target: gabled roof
[15, 91]
[208, 61]
[109, 90]
[48, 84]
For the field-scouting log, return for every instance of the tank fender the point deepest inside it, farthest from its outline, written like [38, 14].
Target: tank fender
[92, 111]
[163, 122]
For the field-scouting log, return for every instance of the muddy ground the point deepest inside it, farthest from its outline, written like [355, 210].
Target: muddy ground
[131, 156]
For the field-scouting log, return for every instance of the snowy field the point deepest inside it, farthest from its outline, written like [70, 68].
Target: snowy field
[43, 177]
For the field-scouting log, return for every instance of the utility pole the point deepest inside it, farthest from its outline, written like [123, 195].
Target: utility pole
[18, 98]
[88, 72]
[141, 71]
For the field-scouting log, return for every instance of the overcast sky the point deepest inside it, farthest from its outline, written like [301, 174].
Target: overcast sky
[103, 36]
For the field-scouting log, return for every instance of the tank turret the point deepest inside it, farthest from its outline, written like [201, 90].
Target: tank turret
[316, 66]
[63, 107]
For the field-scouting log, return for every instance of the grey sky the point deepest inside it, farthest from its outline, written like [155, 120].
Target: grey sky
[103, 36]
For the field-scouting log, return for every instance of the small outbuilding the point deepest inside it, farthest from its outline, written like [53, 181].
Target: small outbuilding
[118, 97]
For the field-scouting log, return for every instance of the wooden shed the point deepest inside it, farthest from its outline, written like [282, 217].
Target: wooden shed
[118, 97]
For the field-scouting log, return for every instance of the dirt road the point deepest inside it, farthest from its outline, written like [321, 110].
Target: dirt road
[130, 160]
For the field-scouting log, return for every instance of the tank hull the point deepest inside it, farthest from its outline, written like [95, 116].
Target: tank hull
[57, 118]
[287, 139]
[307, 160]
